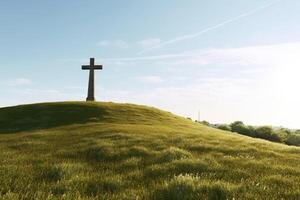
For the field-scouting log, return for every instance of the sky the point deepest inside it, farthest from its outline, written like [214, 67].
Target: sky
[227, 59]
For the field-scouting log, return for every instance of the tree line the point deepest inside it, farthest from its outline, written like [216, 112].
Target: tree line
[280, 135]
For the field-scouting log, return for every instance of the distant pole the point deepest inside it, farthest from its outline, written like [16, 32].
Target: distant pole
[198, 115]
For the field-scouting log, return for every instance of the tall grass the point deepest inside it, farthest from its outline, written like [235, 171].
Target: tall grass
[124, 151]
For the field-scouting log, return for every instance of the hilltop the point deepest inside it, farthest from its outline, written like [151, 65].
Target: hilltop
[79, 150]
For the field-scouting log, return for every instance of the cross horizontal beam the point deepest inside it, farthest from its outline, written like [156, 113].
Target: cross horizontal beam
[89, 67]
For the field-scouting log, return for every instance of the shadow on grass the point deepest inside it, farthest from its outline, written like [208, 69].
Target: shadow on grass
[48, 115]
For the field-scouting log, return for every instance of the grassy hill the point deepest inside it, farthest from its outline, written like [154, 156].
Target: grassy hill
[79, 150]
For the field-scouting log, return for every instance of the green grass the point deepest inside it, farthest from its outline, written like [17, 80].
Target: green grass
[79, 150]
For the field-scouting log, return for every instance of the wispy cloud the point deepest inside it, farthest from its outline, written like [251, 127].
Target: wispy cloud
[148, 58]
[150, 42]
[255, 57]
[208, 29]
[146, 43]
[285, 54]
[264, 55]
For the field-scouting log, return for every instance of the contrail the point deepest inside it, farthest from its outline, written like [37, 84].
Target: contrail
[194, 35]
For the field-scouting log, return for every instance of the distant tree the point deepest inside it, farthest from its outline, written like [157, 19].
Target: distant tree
[206, 123]
[267, 132]
[283, 133]
[293, 139]
[251, 131]
[241, 128]
[235, 126]
[224, 127]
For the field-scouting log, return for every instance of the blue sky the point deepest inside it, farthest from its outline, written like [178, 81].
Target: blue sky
[230, 59]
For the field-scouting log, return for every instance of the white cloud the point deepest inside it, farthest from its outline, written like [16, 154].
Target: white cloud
[149, 42]
[103, 43]
[19, 82]
[150, 79]
[113, 43]
[39, 92]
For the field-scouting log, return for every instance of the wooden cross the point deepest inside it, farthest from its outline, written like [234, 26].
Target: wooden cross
[91, 67]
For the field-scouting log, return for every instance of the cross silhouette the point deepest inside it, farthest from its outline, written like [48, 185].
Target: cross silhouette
[91, 89]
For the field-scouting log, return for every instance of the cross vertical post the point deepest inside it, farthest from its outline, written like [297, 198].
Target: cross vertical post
[91, 87]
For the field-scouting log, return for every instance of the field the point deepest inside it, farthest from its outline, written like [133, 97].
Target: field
[79, 150]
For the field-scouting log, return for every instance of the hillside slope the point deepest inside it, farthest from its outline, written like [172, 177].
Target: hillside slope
[79, 150]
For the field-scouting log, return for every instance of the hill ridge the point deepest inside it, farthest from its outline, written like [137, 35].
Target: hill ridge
[49, 115]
